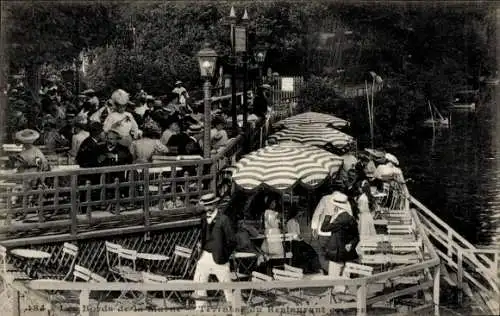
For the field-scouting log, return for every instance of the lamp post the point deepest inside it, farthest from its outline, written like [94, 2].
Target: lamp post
[245, 75]
[234, 115]
[260, 57]
[207, 59]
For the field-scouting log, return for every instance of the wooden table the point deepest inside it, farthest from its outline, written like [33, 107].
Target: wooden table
[152, 257]
[30, 253]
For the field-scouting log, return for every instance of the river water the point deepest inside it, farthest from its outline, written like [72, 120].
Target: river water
[456, 172]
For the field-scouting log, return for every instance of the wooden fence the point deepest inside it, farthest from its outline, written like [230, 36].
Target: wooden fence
[72, 202]
[475, 267]
[428, 267]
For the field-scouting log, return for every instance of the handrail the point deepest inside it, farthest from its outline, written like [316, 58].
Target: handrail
[450, 235]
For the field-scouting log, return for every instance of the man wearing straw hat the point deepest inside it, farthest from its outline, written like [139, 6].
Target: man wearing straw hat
[216, 246]
[344, 237]
[327, 207]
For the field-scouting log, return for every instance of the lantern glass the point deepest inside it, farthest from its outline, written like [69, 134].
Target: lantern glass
[260, 56]
[207, 59]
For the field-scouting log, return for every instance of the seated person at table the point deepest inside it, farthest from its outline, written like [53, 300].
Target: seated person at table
[143, 149]
[303, 255]
[88, 153]
[273, 247]
[218, 136]
[389, 170]
[121, 121]
[31, 157]
[52, 138]
[173, 128]
[80, 134]
[187, 142]
[113, 153]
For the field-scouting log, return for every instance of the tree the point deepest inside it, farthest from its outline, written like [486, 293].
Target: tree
[53, 34]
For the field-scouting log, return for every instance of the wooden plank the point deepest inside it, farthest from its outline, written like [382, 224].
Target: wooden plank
[446, 275]
[406, 291]
[22, 242]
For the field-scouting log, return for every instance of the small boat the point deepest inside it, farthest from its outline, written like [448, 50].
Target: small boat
[465, 100]
[491, 81]
[436, 120]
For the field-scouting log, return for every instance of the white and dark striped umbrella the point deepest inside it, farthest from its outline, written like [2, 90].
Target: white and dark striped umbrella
[313, 118]
[285, 165]
[312, 134]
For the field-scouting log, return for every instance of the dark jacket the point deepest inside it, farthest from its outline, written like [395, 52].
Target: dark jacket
[344, 231]
[88, 153]
[223, 238]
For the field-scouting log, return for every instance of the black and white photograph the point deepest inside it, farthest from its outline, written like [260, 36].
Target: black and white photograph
[247, 158]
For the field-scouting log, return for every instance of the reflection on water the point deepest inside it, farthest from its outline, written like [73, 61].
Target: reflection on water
[457, 175]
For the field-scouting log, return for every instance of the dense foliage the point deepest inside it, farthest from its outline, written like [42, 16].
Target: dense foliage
[423, 53]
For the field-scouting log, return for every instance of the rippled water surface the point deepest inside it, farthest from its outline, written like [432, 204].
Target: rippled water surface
[457, 172]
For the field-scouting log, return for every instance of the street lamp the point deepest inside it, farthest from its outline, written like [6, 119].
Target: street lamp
[376, 79]
[260, 57]
[207, 59]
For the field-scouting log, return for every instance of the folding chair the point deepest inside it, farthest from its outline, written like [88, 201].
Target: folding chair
[112, 256]
[182, 257]
[153, 279]
[259, 277]
[350, 269]
[67, 259]
[290, 273]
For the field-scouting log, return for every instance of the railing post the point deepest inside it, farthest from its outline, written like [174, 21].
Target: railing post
[361, 300]
[460, 274]
[84, 303]
[214, 172]
[435, 289]
[145, 172]
[450, 245]
[74, 204]
[16, 302]
[236, 303]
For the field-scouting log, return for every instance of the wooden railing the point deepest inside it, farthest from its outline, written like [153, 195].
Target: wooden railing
[428, 267]
[477, 267]
[71, 202]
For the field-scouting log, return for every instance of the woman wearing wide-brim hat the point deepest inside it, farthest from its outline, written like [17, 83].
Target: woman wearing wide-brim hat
[31, 157]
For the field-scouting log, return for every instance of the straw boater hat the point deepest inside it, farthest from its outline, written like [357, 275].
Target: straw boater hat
[266, 86]
[27, 136]
[194, 129]
[88, 92]
[209, 199]
[340, 199]
[178, 82]
[392, 158]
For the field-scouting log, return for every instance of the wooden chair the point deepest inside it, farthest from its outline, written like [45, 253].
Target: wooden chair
[151, 278]
[67, 259]
[284, 238]
[127, 265]
[259, 277]
[181, 263]
[112, 256]
[401, 229]
[343, 293]
[290, 273]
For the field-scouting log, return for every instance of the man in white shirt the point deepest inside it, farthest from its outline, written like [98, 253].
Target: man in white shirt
[179, 89]
[327, 207]
[79, 136]
[218, 136]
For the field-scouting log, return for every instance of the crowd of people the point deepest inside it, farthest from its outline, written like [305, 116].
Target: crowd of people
[341, 219]
[117, 131]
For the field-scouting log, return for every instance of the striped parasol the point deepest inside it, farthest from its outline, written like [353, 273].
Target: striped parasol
[284, 165]
[312, 134]
[313, 118]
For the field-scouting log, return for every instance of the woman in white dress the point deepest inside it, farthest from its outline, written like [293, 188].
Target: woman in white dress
[366, 204]
[272, 244]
